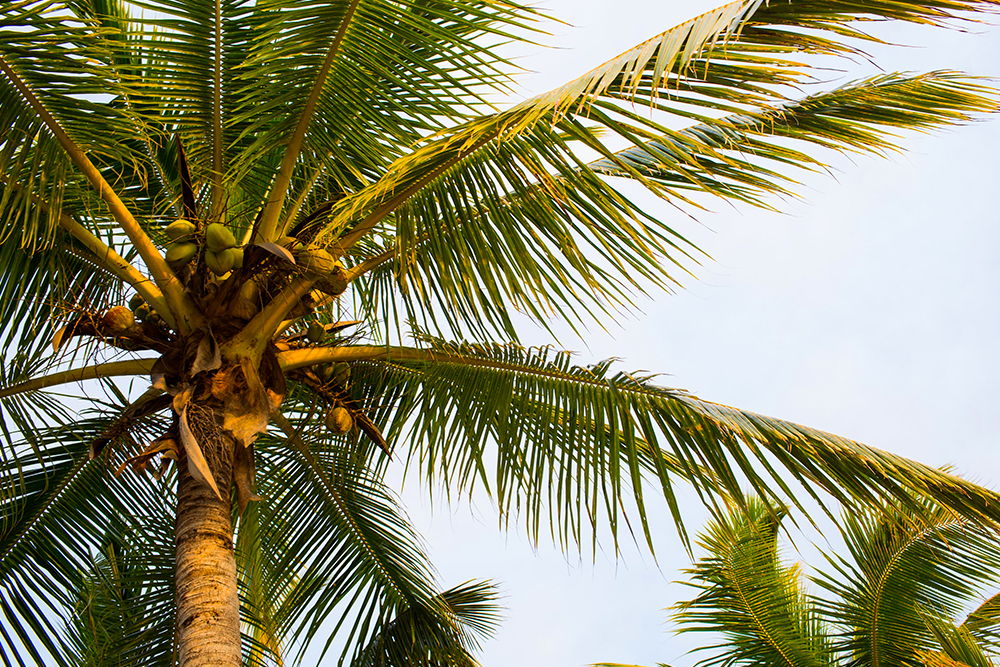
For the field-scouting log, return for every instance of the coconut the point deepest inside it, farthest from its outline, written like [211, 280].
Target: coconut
[218, 238]
[179, 254]
[220, 263]
[290, 242]
[341, 372]
[237, 257]
[316, 332]
[180, 230]
[118, 319]
[334, 283]
[136, 302]
[339, 420]
[315, 260]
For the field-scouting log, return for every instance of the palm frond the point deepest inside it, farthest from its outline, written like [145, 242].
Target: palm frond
[57, 506]
[984, 622]
[349, 547]
[902, 560]
[416, 637]
[574, 442]
[124, 611]
[502, 209]
[956, 643]
[749, 597]
[399, 70]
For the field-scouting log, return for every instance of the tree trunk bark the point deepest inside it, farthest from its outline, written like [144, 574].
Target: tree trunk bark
[208, 609]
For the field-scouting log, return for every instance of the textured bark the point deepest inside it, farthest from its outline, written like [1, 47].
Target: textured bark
[208, 613]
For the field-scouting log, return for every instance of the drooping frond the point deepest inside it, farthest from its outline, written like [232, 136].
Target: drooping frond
[958, 647]
[58, 511]
[331, 537]
[984, 622]
[124, 602]
[574, 442]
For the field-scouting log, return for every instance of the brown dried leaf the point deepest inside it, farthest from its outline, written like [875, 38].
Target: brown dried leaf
[247, 415]
[223, 385]
[182, 398]
[244, 473]
[58, 338]
[272, 376]
[81, 325]
[208, 357]
[165, 445]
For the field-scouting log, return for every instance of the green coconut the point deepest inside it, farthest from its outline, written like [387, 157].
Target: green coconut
[220, 263]
[315, 260]
[341, 372]
[335, 282]
[290, 243]
[316, 332]
[180, 229]
[218, 237]
[179, 254]
[339, 420]
[135, 302]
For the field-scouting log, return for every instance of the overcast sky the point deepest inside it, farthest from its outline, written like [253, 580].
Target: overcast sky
[869, 310]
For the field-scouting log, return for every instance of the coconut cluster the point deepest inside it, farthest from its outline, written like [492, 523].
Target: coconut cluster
[221, 252]
[142, 312]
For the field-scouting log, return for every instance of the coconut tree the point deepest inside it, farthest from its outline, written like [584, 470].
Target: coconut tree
[322, 219]
[893, 598]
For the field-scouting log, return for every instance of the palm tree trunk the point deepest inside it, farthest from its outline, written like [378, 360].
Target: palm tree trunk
[208, 613]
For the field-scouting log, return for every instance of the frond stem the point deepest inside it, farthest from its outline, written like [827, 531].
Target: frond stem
[173, 290]
[345, 243]
[218, 194]
[110, 260]
[269, 221]
[106, 370]
[370, 264]
[258, 331]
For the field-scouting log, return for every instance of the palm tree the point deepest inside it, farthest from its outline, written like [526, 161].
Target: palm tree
[906, 574]
[304, 204]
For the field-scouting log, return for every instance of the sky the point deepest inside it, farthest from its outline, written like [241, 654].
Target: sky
[868, 309]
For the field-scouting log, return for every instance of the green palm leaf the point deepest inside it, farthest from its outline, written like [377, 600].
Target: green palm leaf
[576, 441]
[55, 514]
[957, 644]
[415, 637]
[757, 604]
[902, 560]
[349, 546]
